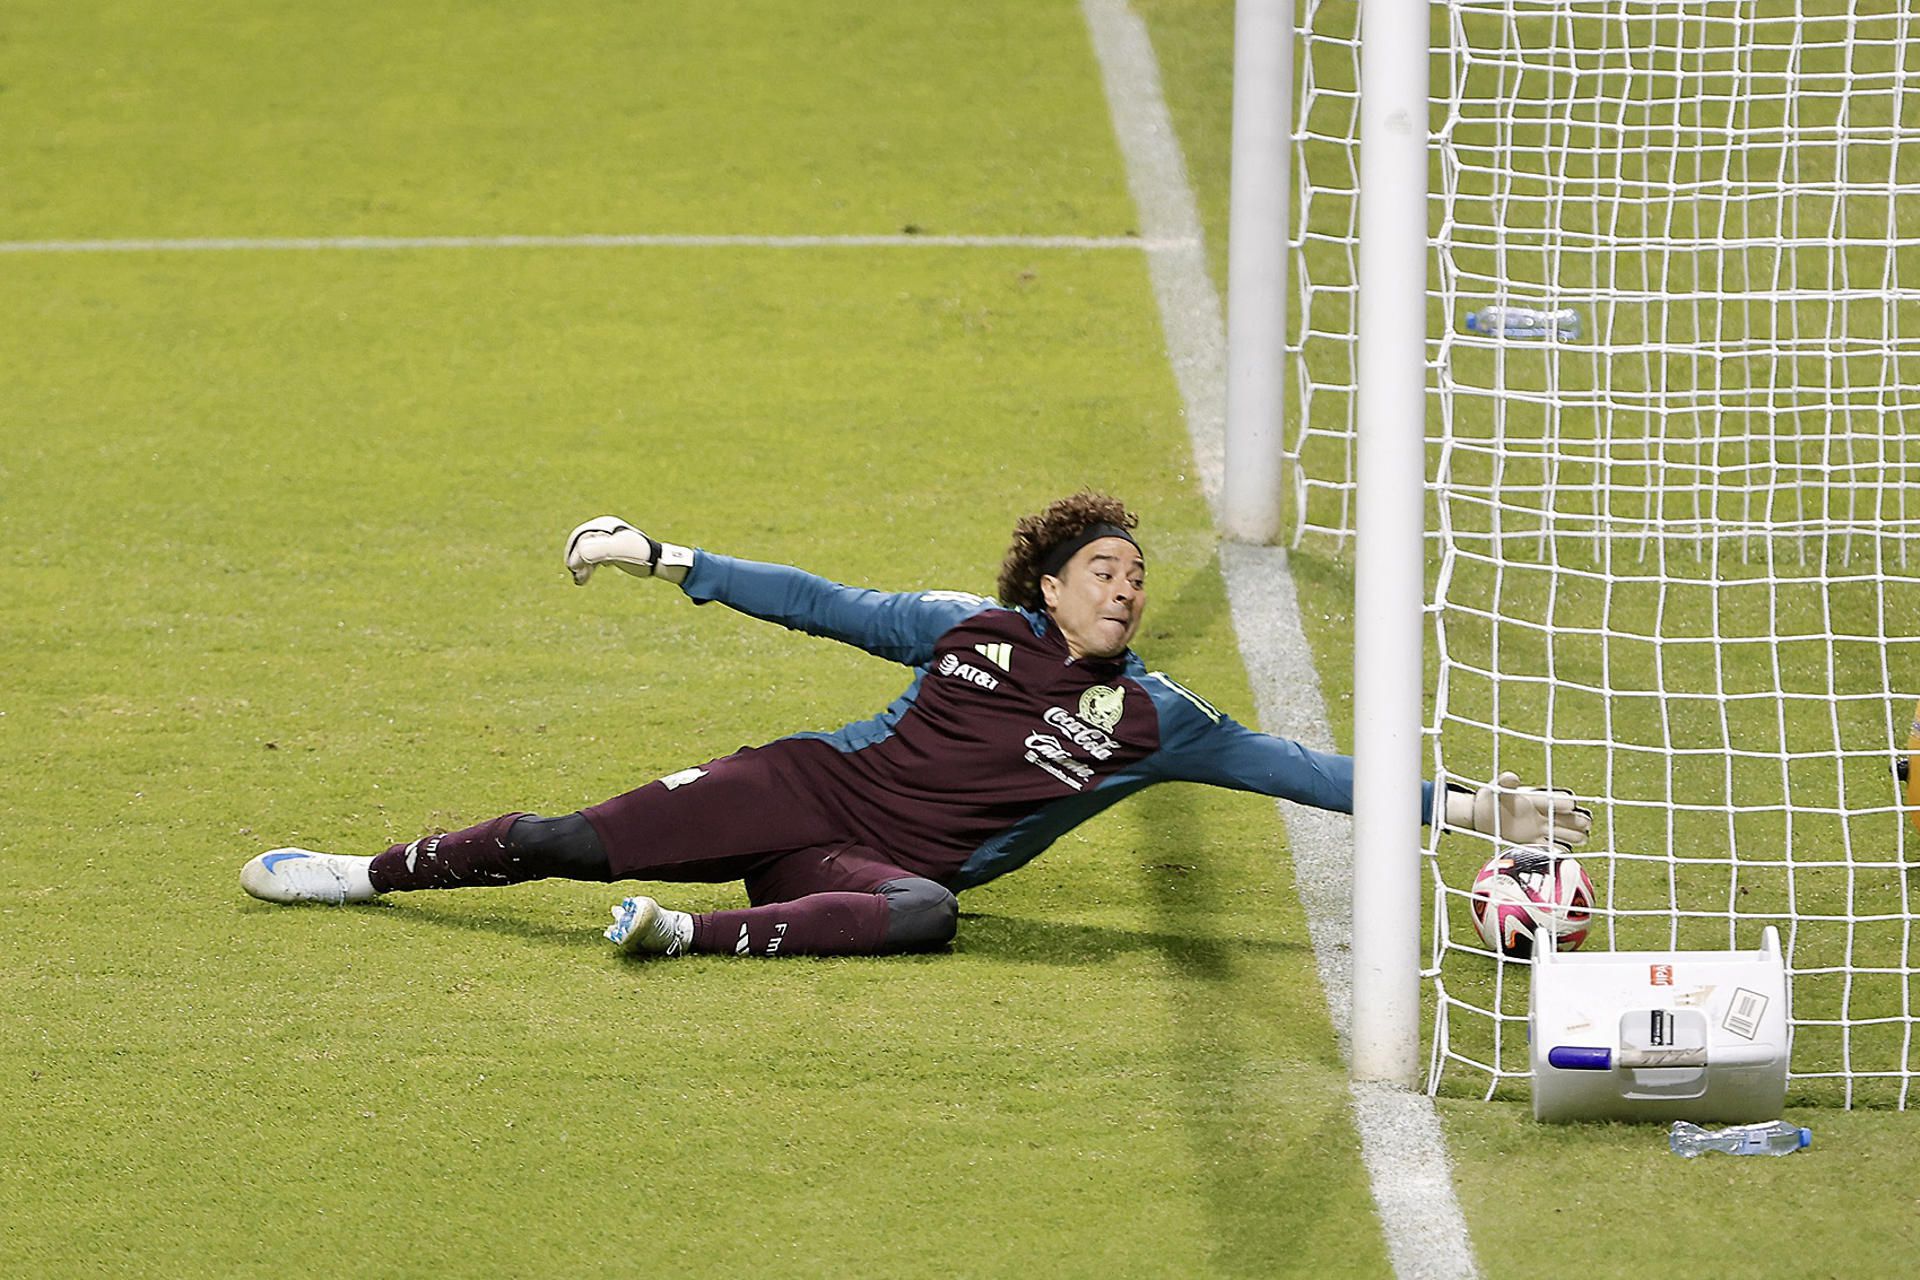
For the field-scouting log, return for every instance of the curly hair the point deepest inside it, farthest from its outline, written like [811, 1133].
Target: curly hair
[1037, 534]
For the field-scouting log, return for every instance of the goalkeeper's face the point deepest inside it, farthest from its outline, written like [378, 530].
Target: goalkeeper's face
[1098, 598]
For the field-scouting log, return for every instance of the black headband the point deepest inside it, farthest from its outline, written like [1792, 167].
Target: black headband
[1062, 551]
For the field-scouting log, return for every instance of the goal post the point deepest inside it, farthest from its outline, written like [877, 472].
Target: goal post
[1391, 324]
[1672, 548]
[1259, 221]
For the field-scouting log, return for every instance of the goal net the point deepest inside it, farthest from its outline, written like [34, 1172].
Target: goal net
[1674, 558]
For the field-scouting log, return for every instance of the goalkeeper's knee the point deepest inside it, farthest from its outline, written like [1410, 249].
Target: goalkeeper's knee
[920, 914]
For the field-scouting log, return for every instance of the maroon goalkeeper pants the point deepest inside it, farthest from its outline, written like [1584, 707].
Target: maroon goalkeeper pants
[815, 889]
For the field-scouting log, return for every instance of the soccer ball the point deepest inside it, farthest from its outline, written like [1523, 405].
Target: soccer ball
[1525, 894]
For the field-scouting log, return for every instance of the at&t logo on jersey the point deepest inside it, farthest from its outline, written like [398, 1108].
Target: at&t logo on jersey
[950, 665]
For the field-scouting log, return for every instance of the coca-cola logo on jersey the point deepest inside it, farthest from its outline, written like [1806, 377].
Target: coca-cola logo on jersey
[1084, 736]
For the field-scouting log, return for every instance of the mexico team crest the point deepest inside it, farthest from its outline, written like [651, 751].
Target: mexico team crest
[1100, 706]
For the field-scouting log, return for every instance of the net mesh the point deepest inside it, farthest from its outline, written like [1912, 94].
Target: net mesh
[1675, 559]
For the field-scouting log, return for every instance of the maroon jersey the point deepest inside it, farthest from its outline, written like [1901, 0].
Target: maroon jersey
[1002, 742]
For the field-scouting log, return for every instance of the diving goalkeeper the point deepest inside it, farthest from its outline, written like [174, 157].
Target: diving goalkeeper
[1023, 718]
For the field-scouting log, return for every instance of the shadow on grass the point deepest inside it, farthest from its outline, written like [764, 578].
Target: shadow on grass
[421, 908]
[1255, 1023]
[1052, 942]
[1059, 942]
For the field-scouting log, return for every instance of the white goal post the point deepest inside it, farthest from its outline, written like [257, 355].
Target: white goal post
[1672, 548]
[1390, 323]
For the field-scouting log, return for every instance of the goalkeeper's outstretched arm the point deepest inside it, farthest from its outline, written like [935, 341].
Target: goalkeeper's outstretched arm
[1201, 745]
[899, 626]
[1506, 810]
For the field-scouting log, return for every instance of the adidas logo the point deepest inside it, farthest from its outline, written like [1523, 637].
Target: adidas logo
[1000, 655]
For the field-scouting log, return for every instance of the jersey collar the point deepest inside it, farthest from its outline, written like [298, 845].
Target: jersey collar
[1052, 639]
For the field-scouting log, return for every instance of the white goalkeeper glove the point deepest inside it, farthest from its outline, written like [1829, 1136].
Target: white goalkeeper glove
[611, 540]
[1515, 814]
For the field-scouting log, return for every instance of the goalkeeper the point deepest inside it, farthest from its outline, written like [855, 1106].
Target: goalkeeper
[1023, 718]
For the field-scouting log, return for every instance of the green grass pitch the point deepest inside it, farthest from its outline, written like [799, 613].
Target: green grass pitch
[282, 537]
[279, 563]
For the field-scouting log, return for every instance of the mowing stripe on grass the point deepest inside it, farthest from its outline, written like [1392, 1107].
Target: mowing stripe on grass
[1400, 1136]
[216, 245]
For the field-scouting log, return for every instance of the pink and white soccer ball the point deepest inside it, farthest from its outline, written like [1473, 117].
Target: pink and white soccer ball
[1527, 894]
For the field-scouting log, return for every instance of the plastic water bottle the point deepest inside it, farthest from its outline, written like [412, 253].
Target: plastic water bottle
[1773, 1138]
[1525, 324]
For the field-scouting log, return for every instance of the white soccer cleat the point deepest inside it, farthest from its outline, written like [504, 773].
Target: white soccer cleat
[301, 875]
[642, 926]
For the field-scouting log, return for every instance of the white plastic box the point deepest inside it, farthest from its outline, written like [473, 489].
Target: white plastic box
[1660, 1035]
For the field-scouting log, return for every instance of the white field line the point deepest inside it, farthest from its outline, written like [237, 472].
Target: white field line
[1400, 1136]
[363, 243]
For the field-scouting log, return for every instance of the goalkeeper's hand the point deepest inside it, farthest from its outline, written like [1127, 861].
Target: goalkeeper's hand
[611, 540]
[1515, 814]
